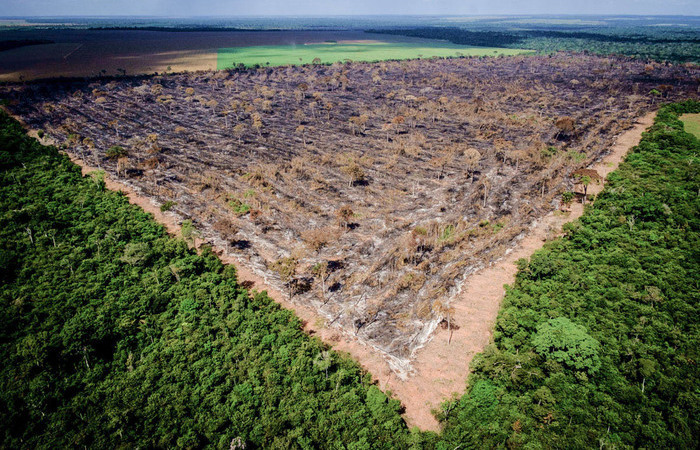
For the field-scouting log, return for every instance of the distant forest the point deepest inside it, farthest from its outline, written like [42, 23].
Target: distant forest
[114, 334]
[639, 42]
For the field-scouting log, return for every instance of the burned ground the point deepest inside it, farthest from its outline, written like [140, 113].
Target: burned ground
[368, 191]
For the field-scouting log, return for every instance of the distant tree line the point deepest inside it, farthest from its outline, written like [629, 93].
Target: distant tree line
[639, 42]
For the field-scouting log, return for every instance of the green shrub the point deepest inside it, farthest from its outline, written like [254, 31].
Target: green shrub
[168, 205]
[115, 152]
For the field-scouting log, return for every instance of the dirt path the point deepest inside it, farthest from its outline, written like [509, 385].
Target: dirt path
[441, 367]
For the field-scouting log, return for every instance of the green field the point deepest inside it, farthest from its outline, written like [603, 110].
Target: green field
[282, 55]
[691, 124]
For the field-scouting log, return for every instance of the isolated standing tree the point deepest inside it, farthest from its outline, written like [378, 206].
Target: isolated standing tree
[156, 89]
[585, 177]
[122, 165]
[101, 101]
[565, 126]
[239, 131]
[286, 268]
[386, 128]
[485, 186]
[114, 123]
[585, 181]
[418, 238]
[189, 233]
[478, 104]
[116, 152]
[354, 172]
[440, 162]
[397, 121]
[301, 129]
[212, 104]
[320, 271]
[344, 215]
[566, 199]
[300, 116]
[354, 124]
[257, 123]
[328, 107]
[472, 157]
[446, 311]
[167, 102]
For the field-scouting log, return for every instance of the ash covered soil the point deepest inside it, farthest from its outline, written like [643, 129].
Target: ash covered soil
[368, 191]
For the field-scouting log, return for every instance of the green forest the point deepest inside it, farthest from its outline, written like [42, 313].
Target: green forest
[114, 334]
[643, 42]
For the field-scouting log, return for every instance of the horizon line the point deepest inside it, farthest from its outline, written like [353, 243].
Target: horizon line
[254, 16]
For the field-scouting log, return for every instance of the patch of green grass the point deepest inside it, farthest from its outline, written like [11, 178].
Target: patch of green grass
[691, 124]
[238, 207]
[167, 206]
[447, 233]
[114, 151]
[281, 55]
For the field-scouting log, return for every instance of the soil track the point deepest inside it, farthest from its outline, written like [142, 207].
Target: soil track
[441, 366]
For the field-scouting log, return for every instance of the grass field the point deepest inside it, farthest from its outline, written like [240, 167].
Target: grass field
[691, 123]
[281, 55]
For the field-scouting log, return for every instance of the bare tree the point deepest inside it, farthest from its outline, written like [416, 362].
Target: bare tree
[471, 159]
[286, 268]
[344, 215]
[257, 123]
[239, 131]
[301, 130]
[354, 172]
[320, 271]
[565, 125]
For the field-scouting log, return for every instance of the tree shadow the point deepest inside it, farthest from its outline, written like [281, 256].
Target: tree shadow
[241, 244]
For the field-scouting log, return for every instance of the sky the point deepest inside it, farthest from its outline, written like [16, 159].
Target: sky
[344, 7]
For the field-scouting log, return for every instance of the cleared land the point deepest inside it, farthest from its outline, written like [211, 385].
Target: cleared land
[330, 52]
[81, 53]
[443, 364]
[369, 192]
[691, 122]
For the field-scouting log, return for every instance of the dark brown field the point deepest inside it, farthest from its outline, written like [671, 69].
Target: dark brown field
[368, 191]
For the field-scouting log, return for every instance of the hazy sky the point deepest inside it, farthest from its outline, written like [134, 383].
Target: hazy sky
[343, 7]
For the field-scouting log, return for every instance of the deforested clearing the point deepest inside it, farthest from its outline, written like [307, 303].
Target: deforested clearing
[368, 191]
